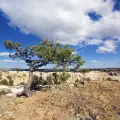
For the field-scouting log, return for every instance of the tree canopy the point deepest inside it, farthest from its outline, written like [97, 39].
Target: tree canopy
[44, 53]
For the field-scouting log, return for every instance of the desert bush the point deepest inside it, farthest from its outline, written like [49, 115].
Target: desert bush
[5, 91]
[37, 81]
[85, 70]
[24, 75]
[22, 83]
[10, 82]
[64, 77]
[4, 82]
[9, 77]
[109, 79]
[0, 75]
[2, 92]
[49, 79]
[60, 78]
[55, 78]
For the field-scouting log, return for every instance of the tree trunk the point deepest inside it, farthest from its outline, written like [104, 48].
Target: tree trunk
[83, 82]
[26, 92]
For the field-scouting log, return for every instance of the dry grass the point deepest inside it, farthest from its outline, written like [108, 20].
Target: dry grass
[100, 100]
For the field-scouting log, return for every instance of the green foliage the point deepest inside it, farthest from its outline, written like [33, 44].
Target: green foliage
[4, 82]
[78, 62]
[60, 78]
[22, 83]
[9, 77]
[49, 79]
[46, 52]
[24, 74]
[0, 75]
[37, 81]
[55, 78]
[85, 70]
[5, 91]
[2, 92]
[64, 77]
[10, 82]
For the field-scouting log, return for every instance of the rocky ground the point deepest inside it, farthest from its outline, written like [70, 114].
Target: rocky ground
[96, 100]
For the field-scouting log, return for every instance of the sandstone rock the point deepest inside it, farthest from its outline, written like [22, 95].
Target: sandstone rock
[113, 78]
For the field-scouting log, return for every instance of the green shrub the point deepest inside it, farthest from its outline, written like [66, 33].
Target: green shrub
[22, 83]
[0, 75]
[5, 91]
[10, 82]
[85, 70]
[37, 81]
[49, 79]
[64, 77]
[2, 92]
[55, 78]
[4, 82]
[24, 74]
[9, 77]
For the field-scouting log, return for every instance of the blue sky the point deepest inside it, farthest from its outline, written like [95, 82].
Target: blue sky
[93, 30]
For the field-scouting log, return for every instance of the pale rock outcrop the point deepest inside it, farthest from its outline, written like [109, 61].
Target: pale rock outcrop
[22, 76]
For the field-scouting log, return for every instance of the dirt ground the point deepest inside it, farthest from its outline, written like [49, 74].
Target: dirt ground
[99, 100]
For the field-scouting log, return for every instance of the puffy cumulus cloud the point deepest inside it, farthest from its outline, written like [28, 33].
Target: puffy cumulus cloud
[64, 21]
[11, 61]
[108, 46]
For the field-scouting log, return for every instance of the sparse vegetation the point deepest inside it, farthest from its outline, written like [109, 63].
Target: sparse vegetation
[4, 82]
[49, 79]
[9, 77]
[37, 81]
[5, 91]
[0, 75]
[10, 81]
[85, 70]
[24, 74]
[22, 83]
[56, 78]
[64, 76]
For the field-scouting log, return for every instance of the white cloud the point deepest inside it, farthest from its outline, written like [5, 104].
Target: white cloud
[108, 46]
[4, 54]
[64, 21]
[93, 41]
[11, 61]
[93, 61]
